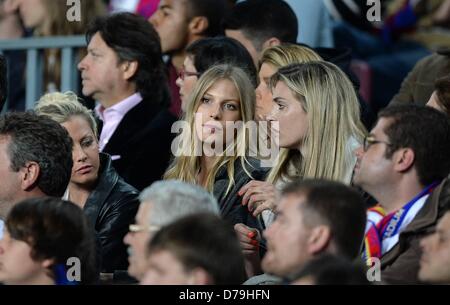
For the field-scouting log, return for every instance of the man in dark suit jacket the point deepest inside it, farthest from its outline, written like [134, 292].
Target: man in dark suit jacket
[124, 72]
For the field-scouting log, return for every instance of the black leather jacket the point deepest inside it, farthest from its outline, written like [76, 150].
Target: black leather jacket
[111, 208]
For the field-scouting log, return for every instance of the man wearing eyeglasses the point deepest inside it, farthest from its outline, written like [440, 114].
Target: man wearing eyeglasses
[402, 164]
[162, 203]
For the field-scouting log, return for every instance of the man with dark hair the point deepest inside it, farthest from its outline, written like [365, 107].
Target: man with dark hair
[259, 24]
[313, 217]
[3, 82]
[329, 269]
[124, 71]
[200, 249]
[404, 158]
[35, 159]
[181, 22]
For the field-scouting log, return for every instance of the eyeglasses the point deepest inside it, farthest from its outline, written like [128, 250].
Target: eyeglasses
[370, 140]
[137, 228]
[184, 73]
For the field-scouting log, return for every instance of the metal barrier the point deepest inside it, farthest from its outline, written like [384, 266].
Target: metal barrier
[34, 67]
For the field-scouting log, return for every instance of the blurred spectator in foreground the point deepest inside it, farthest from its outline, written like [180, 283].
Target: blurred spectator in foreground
[43, 238]
[197, 250]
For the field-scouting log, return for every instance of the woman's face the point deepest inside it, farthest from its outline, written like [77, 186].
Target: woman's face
[263, 93]
[85, 154]
[16, 265]
[220, 104]
[186, 81]
[33, 12]
[292, 118]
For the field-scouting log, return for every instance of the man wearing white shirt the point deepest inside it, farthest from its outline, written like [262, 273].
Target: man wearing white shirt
[402, 162]
[124, 72]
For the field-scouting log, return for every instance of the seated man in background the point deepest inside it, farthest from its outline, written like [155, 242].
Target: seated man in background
[402, 161]
[161, 204]
[124, 72]
[313, 217]
[199, 249]
[179, 23]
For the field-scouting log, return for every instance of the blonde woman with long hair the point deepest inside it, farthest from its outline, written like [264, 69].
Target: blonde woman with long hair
[318, 112]
[224, 94]
[271, 60]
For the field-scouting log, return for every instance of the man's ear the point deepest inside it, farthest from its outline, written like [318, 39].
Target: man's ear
[48, 262]
[319, 239]
[199, 276]
[30, 174]
[403, 159]
[271, 42]
[129, 69]
[198, 25]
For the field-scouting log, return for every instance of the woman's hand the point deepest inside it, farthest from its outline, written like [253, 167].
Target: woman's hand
[259, 196]
[249, 239]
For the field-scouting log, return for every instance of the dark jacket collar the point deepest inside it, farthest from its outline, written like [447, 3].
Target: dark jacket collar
[107, 179]
[132, 123]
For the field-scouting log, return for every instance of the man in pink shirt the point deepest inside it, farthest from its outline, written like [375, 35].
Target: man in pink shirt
[124, 72]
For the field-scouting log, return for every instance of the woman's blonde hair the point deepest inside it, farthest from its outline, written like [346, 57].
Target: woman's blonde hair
[330, 101]
[61, 107]
[286, 54]
[186, 164]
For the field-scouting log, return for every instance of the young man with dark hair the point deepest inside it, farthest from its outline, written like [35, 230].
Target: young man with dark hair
[313, 217]
[181, 22]
[124, 71]
[259, 24]
[35, 159]
[404, 158]
[200, 249]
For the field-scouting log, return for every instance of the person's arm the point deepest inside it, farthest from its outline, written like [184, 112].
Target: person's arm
[113, 229]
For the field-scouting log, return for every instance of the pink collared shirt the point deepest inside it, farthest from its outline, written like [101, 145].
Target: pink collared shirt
[112, 117]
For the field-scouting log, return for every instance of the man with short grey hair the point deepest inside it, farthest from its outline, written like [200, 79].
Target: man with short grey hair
[161, 204]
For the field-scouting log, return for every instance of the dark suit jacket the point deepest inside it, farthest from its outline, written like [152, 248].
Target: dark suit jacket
[142, 140]
[401, 264]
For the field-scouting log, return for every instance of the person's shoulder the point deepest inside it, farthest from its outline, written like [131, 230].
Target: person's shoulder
[252, 166]
[264, 279]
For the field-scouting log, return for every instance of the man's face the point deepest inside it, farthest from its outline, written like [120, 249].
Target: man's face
[435, 261]
[246, 42]
[165, 269]
[171, 22]
[16, 265]
[373, 169]
[10, 186]
[102, 75]
[138, 241]
[287, 238]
